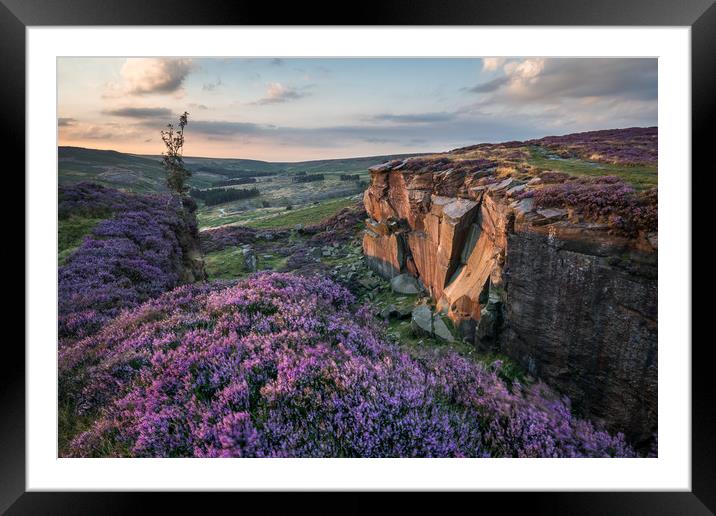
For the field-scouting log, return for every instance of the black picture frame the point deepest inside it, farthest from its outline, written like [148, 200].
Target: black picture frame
[16, 15]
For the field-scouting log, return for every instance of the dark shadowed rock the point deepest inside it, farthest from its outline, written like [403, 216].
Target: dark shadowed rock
[571, 302]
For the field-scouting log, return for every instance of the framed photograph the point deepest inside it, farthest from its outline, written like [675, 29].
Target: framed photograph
[447, 252]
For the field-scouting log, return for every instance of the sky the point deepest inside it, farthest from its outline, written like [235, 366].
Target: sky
[298, 109]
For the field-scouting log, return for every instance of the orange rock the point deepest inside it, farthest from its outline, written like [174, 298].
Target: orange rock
[385, 254]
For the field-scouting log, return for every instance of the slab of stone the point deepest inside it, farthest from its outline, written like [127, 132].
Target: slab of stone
[383, 167]
[516, 190]
[440, 329]
[421, 321]
[457, 209]
[552, 214]
[404, 284]
[494, 187]
[524, 206]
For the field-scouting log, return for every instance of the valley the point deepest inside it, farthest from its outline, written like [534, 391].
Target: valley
[434, 282]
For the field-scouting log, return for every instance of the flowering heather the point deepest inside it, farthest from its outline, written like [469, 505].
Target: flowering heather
[632, 146]
[552, 176]
[445, 163]
[281, 366]
[604, 199]
[127, 259]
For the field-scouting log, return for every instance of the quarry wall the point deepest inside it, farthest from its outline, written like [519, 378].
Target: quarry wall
[573, 303]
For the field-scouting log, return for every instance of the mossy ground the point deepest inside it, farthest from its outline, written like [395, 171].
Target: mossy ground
[640, 177]
[230, 263]
[307, 216]
[275, 217]
[225, 264]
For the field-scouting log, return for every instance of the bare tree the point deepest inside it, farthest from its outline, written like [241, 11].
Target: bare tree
[172, 160]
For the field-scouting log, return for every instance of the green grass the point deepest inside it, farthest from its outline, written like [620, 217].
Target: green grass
[207, 221]
[229, 263]
[70, 233]
[276, 262]
[640, 177]
[306, 216]
[225, 264]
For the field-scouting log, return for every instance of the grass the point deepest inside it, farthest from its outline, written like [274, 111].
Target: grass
[275, 262]
[306, 216]
[69, 425]
[640, 177]
[70, 233]
[229, 263]
[206, 222]
[225, 264]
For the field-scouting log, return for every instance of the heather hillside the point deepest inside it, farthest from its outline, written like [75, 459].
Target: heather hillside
[436, 305]
[278, 365]
[129, 248]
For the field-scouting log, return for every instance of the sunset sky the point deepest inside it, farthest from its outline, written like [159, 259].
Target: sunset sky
[302, 109]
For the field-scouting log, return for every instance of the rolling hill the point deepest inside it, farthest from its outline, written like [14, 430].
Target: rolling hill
[145, 174]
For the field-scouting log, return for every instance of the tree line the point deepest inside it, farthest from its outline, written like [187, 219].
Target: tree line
[215, 196]
[307, 178]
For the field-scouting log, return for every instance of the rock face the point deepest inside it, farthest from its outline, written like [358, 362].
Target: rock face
[575, 305]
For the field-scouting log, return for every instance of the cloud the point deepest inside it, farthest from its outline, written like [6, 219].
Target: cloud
[490, 64]
[211, 86]
[553, 79]
[444, 132]
[66, 121]
[489, 86]
[139, 112]
[198, 106]
[413, 118]
[226, 128]
[277, 93]
[154, 75]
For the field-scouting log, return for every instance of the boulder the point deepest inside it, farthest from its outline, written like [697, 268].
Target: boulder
[404, 284]
[421, 321]
[440, 329]
[249, 259]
